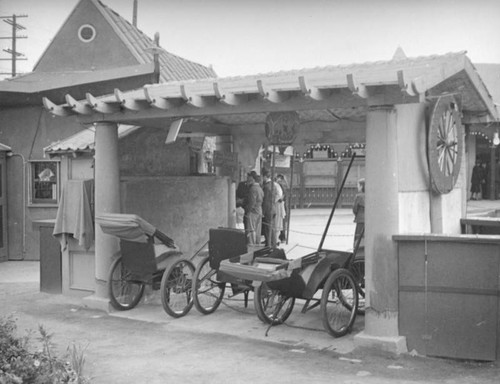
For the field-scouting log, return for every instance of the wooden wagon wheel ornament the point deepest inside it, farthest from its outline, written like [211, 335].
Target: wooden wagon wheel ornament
[444, 144]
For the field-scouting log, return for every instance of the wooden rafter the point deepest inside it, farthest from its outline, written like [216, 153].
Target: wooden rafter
[272, 95]
[160, 102]
[102, 106]
[357, 89]
[77, 106]
[196, 100]
[58, 110]
[313, 92]
[229, 98]
[131, 103]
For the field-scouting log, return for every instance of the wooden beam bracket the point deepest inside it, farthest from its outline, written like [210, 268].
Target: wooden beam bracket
[131, 104]
[196, 100]
[313, 92]
[229, 98]
[77, 106]
[161, 102]
[271, 95]
[357, 89]
[101, 106]
[57, 110]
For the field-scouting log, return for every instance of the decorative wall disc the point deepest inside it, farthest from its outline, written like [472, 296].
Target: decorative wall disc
[445, 144]
[281, 127]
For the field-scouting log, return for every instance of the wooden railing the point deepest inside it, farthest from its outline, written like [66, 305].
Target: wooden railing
[312, 196]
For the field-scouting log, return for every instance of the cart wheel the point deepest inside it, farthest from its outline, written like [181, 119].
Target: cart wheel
[176, 288]
[358, 271]
[209, 291]
[124, 292]
[272, 306]
[339, 302]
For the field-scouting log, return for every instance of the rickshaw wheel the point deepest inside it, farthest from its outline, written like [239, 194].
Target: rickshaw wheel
[339, 302]
[271, 305]
[177, 288]
[124, 292]
[358, 271]
[208, 292]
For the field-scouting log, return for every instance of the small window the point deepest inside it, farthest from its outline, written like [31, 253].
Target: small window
[86, 33]
[44, 186]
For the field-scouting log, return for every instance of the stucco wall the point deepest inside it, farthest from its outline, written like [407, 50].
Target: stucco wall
[68, 52]
[27, 131]
[184, 208]
[144, 153]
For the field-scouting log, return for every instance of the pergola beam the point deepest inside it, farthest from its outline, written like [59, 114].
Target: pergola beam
[161, 102]
[130, 103]
[77, 106]
[102, 106]
[229, 98]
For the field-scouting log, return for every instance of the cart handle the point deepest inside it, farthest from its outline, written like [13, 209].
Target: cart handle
[336, 202]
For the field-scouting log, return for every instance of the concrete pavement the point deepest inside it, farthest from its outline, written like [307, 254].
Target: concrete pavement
[303, 334]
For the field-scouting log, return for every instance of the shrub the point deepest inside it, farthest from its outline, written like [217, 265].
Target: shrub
[19, 364]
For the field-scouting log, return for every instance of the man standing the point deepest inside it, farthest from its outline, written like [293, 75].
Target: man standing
[272, 194]
[253, 209]
[285, 189]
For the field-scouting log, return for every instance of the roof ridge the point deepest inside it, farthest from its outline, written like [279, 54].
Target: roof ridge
[143, 42]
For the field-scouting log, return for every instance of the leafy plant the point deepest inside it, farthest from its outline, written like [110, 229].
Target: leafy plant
[18, 364]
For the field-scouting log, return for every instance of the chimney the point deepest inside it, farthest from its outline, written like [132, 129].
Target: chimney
[134, 14]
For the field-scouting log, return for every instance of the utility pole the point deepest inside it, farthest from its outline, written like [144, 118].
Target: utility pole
[15, 55]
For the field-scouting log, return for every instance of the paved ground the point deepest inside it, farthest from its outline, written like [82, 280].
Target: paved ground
[145, 345]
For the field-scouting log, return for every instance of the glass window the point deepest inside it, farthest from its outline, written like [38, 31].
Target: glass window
[44, 182]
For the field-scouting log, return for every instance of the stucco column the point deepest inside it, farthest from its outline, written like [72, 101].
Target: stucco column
[397, 201]
[107, 200]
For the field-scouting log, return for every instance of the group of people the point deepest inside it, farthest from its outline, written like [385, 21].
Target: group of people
[261, 208]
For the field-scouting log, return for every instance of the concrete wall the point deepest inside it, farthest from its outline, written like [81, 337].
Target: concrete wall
[144, 153]
[184, 208]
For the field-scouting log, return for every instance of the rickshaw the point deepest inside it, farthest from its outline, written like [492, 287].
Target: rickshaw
[211, 282]
[148, 257]
[339, 275]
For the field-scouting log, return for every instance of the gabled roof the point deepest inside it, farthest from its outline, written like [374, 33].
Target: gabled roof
[135, 60]
[83, 141]
[172, 67]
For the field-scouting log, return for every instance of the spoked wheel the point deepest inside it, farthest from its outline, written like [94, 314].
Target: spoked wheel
[358, 271]
[208, 292]
[272, 306]
[124, 292]
[177, 288]
[339, 302]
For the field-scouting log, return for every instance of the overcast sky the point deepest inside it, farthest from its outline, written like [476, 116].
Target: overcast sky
[240, 37]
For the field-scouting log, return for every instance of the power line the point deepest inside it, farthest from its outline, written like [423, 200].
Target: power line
[15, 56]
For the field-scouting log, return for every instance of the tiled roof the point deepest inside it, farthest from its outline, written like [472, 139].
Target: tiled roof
[172, 67]
[84, 141]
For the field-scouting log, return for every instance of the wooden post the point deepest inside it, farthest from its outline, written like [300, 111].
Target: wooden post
[493, 167]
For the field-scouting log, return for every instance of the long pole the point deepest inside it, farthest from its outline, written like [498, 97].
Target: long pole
[270, 232]
[289, 198]
[336, 201]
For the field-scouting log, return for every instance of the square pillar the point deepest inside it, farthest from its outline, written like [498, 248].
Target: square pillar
[397, 201]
